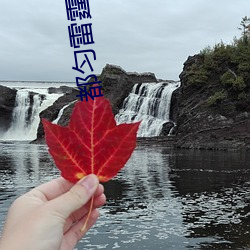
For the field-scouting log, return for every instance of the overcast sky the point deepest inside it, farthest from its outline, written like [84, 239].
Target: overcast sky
[138, 35]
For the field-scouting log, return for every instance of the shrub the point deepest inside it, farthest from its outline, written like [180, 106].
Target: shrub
[228, 78]
[239, 84]
[236, 82]
[216, 98]
[206, 51]
[242, 96]
[197, 75]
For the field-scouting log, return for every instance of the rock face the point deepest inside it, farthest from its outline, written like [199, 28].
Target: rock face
[60, 90]
[225, 125]
[52, 112]
[7, 104]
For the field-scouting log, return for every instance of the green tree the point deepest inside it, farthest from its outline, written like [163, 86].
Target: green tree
[245, 28]
[224, 68]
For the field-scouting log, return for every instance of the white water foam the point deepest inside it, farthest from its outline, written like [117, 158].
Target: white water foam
[25, 117]
[149, 103]
[61, 112]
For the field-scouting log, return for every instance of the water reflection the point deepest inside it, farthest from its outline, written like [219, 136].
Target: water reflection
[160, 200]
[214, 187]
[26, 164]
[142, 209]
[22, 167]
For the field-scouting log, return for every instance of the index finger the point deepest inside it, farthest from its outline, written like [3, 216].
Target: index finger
[54, 188]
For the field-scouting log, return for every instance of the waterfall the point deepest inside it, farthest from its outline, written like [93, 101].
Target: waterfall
[61, 112]
[149, 103]
[25, 117]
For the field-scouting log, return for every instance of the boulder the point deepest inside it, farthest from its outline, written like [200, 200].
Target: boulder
[166, 128]
[60, 90]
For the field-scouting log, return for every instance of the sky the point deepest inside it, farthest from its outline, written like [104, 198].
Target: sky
[137, 35]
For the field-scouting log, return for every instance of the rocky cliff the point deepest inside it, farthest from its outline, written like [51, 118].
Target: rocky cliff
[209, 114]
[7, 104]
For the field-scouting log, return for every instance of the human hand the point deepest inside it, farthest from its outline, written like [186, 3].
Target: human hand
[50, 216]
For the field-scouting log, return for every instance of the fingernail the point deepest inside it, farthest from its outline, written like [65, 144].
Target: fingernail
[89, 182]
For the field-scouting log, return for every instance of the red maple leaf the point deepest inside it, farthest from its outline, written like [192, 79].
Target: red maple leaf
[92, 143]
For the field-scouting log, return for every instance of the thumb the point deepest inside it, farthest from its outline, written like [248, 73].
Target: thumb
[76, 197]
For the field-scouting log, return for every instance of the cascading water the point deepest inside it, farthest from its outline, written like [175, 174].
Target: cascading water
[25, 117]
[149, 103]
[61, 112]
[20, 112]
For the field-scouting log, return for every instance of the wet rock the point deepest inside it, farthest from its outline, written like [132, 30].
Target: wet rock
[61, 90]
[166, 128]
[7, 105]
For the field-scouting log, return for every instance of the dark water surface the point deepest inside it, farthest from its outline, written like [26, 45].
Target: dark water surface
[161, 200]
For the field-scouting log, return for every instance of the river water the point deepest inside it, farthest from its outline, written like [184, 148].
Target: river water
[162, 199]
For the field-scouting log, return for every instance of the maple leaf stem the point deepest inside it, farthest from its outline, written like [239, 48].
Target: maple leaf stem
[84, 228]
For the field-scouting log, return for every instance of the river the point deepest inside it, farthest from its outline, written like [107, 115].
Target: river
[162, 199]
